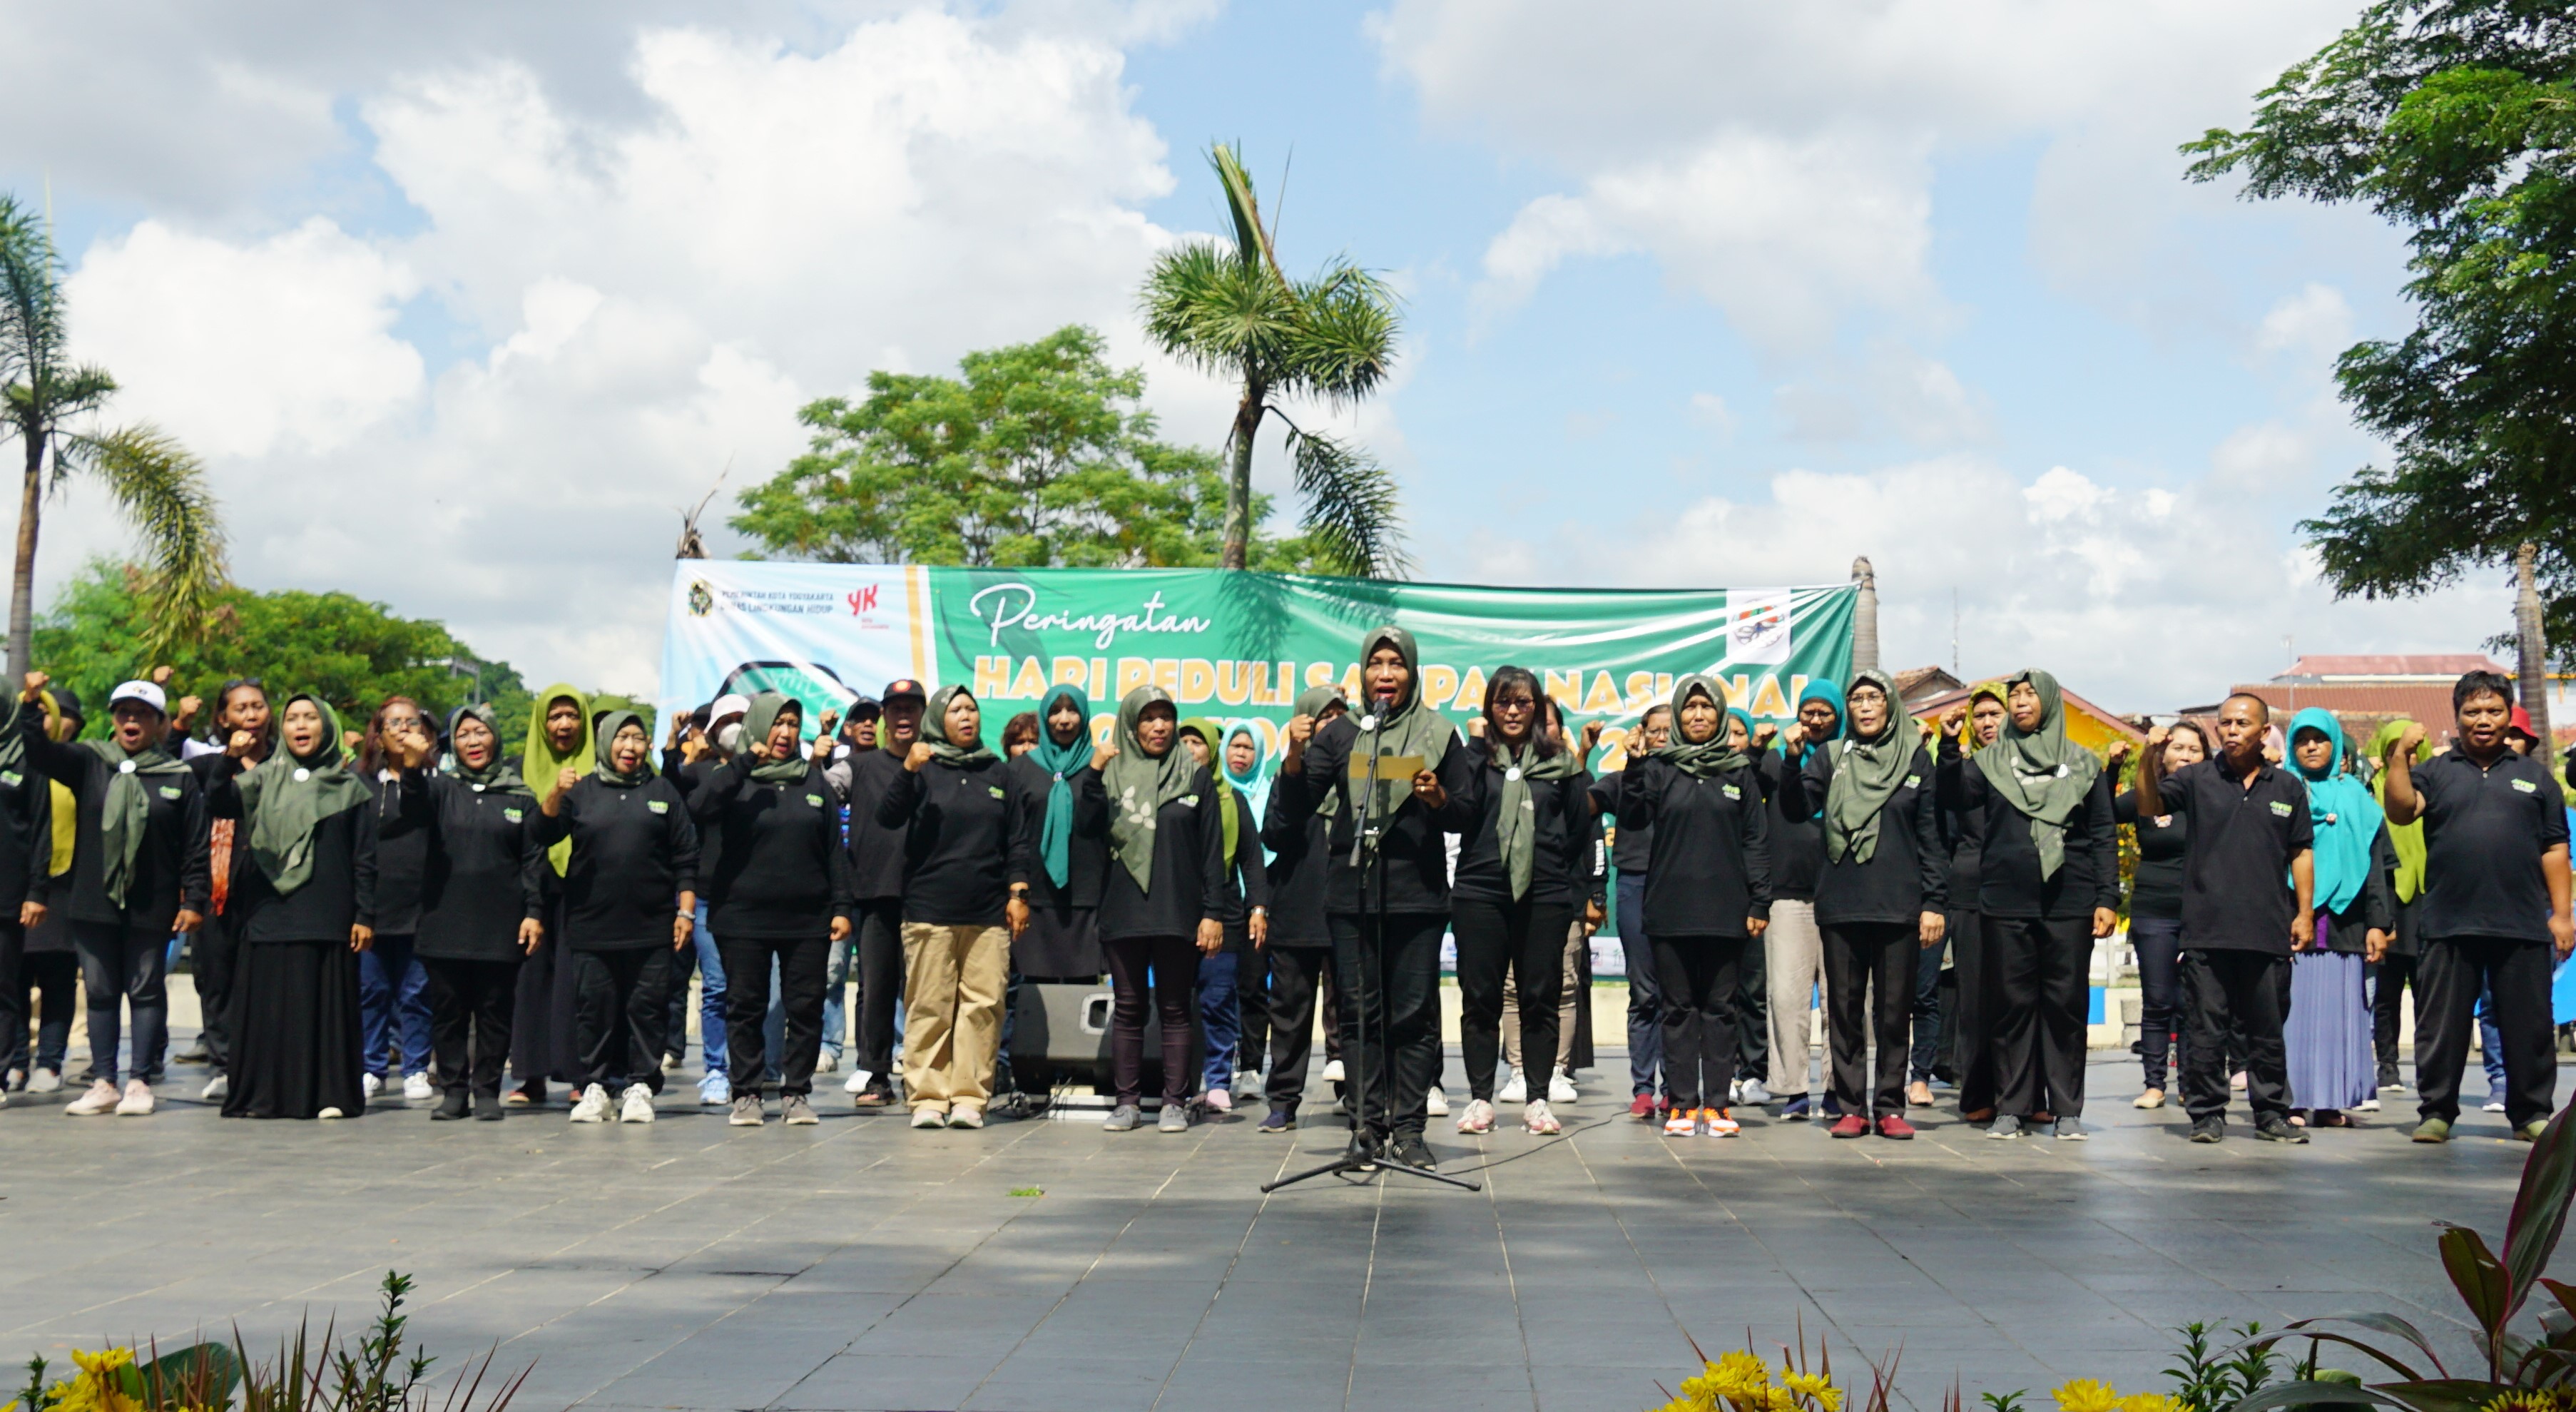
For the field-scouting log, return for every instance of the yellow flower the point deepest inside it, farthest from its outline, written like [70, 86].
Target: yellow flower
[1821, 1391]
[2087, 1395]
[2532, 1400]
[104, 1362]
[97, 1389]
[2149, 1402]
[1737, 1377]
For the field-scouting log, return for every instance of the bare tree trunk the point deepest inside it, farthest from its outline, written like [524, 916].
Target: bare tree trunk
[1238, 482]
[1865, 620]
[22, 583]
[2534, 649]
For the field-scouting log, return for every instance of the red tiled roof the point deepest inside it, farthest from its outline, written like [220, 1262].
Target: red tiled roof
[2105, 724]
[2362, 706]
[2438, 664]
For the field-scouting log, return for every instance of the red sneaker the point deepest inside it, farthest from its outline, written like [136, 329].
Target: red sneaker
[1642, 1106]
[1895, 1127]
[1850, 1125]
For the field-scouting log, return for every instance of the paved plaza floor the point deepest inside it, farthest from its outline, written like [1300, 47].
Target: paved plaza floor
[1048, 1265]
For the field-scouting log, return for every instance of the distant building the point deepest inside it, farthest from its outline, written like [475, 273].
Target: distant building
[1923, 683]
[2366, 692]
[2087, 725]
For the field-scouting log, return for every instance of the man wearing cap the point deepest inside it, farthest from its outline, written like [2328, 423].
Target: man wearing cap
[693, 738]
[876, 885]
[839, 739]
[139, 873]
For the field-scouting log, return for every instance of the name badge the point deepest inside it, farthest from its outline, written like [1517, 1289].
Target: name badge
[814, 799]
[2281, 808]
[11, 778]
[1191, 800]
[658, 806]
[2526, 786]
[994, 790]
[1732, 792]
[1912, 781]
[513, 815]
[169, 791]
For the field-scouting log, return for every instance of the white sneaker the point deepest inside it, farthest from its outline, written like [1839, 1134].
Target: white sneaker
[45, 1081]
[1560, 1089]
[329, 1115]
[416, 1088]
[1246, 1081]
[1538, 1120]
[101, 1098]
[1754, 1093]
[2367, 1105]
[215, 1089]
[1479, 1117]
[593, 1107]
[638, 1106]
[858, 1081]
[370, 1085]
[137, 1102]
[827, 1063]
[1219, 1101]
[2493, 1105]
[1514, 1090]
[1332, 1071]
[1435, 1104]
[716, 1090]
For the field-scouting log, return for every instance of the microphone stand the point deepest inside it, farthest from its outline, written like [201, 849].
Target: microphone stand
[1367, 855]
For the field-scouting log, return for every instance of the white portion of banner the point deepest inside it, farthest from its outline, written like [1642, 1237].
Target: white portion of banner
[1758, 625]
[748, 626]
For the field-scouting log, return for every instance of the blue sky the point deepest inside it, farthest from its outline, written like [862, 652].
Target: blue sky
[1698, 294]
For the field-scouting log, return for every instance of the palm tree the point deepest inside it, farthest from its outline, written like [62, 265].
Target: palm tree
[50, 404]
[1228, 309]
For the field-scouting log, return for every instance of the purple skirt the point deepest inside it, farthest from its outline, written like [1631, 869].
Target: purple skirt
[2327, 1036]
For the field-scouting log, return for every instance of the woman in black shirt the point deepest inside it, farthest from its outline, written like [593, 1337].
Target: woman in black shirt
[1708, 895]
[965, 868]
[1300, 945]
[482, 898]
[1246, 915]
[308, 907]
[629, 901]
[1879, 897]
[1162, 899]
[393, 986]
[1521, 869]
[2155, 912]
[1062, 942]
[778, 889]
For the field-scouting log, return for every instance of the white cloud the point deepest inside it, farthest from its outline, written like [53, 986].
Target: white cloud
[2314, 324]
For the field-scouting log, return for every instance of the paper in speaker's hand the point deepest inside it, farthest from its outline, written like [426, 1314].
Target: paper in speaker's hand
[1389, 767]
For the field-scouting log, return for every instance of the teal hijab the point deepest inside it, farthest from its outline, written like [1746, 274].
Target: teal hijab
[2038, 771]
[287, 796]
[1830, 692]
[2345, 815]
[1712, 756]
[127, 809]
[1061, 762]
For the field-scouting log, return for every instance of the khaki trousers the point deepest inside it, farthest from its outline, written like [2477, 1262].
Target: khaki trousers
[953, 981]
[1793, 954]
[1573, 993]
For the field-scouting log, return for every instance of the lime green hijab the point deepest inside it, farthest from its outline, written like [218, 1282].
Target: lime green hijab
[541, 762]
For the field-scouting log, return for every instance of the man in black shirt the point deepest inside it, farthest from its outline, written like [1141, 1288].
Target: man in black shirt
[2494, 908]
[876, 885]
[2249, 830]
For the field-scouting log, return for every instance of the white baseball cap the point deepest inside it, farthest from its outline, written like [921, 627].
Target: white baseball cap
[729, 704]
[142, 691]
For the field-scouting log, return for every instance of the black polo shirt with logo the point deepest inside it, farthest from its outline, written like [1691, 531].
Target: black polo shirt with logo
[2485, 827]
[2236, 893]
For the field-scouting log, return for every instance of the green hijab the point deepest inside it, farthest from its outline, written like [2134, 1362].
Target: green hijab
[1712, 756]
[1139, 785]
[541, 762]
[608, 773]
[496, 775]
[2038, 772]
[127, 809]
[287, 796]
[757, 722]
[1867, 773]
[1208, 730]
[934, 728]
[2407, 839]
[1404, 728]
[1516, 817]
[1061, 762]
[1310, 704]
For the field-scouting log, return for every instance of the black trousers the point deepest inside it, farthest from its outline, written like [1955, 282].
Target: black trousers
[1753, 1014]
[803, 964]
[1296, 974]
[214, 952]
[880, 978]
[1869, 998]
[2244, 994]
[1930, 1013]
[1390, 997]
[2043, 989]
[1251, 1000]
[1528, 938]
[57, 975]
[13, 997]
[1173, 963]
[1696, 977]
[2396, 974]
[621, 1001]
[2448, 976]
[1972, 1038]
[469, 1021]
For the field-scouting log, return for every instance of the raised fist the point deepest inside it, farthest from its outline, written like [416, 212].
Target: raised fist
[919, 756]
[35, 686]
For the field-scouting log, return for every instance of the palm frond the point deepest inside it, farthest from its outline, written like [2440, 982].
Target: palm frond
[31, 296]
[1216, 314]
[1252, 241]
[162, 490]
[1344, 347]
[1352, 510]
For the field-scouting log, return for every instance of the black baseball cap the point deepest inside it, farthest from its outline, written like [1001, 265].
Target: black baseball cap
[862, 707]
[902, 687]
[67, 702]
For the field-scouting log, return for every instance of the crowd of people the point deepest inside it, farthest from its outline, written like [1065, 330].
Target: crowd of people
[413, 903]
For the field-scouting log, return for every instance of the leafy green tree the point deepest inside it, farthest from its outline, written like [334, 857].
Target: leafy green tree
[1230, 310]
[2454, 120]
[1037, 454]
[51, 405]
[343, 648]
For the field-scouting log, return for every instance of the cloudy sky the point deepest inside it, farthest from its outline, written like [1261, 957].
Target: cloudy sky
[460, 302]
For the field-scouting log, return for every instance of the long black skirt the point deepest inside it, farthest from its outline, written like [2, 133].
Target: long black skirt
[1062, 941]
[295, 1047]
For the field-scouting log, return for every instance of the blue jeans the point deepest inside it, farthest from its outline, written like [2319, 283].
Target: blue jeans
[1930, 1021]
[836, 985]
[2490, 1040]
[391, 979]
[1221, 1016]
[1645, 1002]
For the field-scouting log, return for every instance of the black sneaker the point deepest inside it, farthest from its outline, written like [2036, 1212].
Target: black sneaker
[1413, 1152]
[452, 1106]
[2278, 1129]
[1363, 1150]
[2208, 1129]
[487, 1108]
[1279, 1121]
